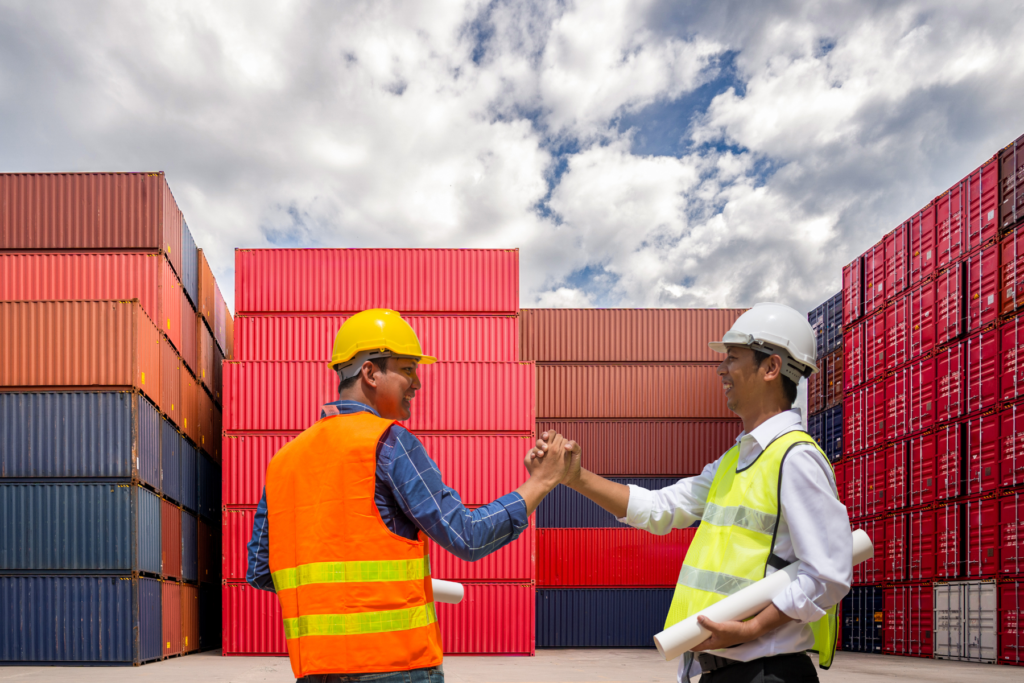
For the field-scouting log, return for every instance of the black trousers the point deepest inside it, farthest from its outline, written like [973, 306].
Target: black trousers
[793, 668]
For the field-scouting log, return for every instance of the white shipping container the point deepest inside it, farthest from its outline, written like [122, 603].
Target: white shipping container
[965, 621]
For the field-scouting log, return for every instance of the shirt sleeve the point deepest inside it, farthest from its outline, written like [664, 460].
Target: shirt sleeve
[673, 507]
[819, 528]
[257, 574]
[437, 509]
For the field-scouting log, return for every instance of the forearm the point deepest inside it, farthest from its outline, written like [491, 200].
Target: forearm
[769, 619]
[611, 496]
[471, 535]
[533, 491]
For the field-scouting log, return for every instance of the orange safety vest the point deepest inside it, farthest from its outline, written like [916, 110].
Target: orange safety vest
[355, 597]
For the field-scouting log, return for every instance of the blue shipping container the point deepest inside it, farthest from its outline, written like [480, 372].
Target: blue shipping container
[188, 478]
[833, 323]
[209, 488]
[79, 527]
[79, 435]
[827, 429]
[189, 547]
[595, 617]
[79, 619]
[189, 266]
[863, 611]
[563, 508]
[170, 451]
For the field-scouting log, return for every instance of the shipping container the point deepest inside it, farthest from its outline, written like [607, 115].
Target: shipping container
[588, 558]
[910, 325]
[894, 551]
[220, 322]
[601, 617]
[874, 346]
[853, 356]
[493, 619]
[921, 546]
[1011, 359]
[171, 444]
[910, 399]
[190, 391]
[1011, 533]
[53, 620]
[171, 631]
[61, 527]
[827, 322]
[482, 397]
[252, 622]
[514, 562]
[1011, 626]
[853, 291]
[949, 303]
[171, 294]
[981, 540]
[948, 459]
[950, 382]
[897, 260]
[921, 480]
[982, 292]
[93, 211]
[833, 433]
[909, 611]
[189, 478]
[406, 280]
[874, 278]
[189, 618]
[853, 421]
[208, 554]
[207, 359]
[981, 453]
[229, 334]
[170, 383]
[863, 617]
[871, 570]
[1011, 183]
[897, 477]
[874, 415]
[947, 541]
[981, 355]
[236, 530]
[982, 189]
[170, 539]
[209, 487]
[189, 337]
[311, 337]
[833, 379]
[564, 508]
[189, 547]
[1011, 285]
[922, 245]
[966, 617]
[80, 435]
[189, 271]
[868, 477]
[950, 226]
[115, 345]
[816, 388]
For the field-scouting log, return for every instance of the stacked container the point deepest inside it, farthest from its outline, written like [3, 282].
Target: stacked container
[474, 414]
[931, 466]
[825, 387]
[99, 419]
[638, 390]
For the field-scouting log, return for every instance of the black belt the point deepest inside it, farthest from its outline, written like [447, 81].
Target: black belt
[709, 662]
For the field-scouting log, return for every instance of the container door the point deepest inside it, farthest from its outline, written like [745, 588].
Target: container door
[980, 626]
[948, 618]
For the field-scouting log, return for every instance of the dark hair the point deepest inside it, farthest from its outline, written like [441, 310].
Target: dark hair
[788, 385]
[379, 363]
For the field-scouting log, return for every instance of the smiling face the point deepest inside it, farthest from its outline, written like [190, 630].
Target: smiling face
[742, 378]
[396, 388]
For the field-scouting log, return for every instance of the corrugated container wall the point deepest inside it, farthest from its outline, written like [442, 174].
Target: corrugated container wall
[252, 621]
[492, 619]
[610, 557]
[208, 290]
[170, 539]
[1011, 191]
[625, 617]
[189, 271]
[189, 618]
[564, 508]
[171, 631]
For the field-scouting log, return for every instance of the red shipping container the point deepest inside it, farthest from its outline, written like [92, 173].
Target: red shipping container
[982, 190]
[493, 619]
[910, 326]
[922, 245]
[853, 421]
[190, 391]
[1011, 359]
[514, 562]
[236, 531]
[1011, 453]
[894, 552]
[909, 614]
[1011, 625]
[189, 340]
[1011, 275]
[480, 397]
[853, 291]
[982, 293]
[871, 570]
[406, 280]
[949, 308]
[94, 211]
[874, 278]
[853, 356]
[950, 228]
[189, 618]
[982, 446]
[874, 346]
[896, 474]
[897, 260]
[448, 337]
[874, 415]
[1011, 533]
[981, 355]
[950, 383]
[910, 399]
[981, 542]
[115, 345]
[921, 477]
[170, 608]
[947, 541]
[610, 557]
[922, 548]
[170, 305]
[170, 386]
[843, 483]
[1011, 177]
[948, 454]
[170, 539]
[833, 380]
[252, 623]
[869, 482]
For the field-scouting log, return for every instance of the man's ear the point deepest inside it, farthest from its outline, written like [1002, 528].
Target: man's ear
[773, 368]
[369, 372]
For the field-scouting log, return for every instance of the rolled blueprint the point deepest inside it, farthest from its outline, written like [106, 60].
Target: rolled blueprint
[448, 591]
[687, 634]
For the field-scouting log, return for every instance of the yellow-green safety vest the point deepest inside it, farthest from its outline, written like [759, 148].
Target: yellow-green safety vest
[734, 544]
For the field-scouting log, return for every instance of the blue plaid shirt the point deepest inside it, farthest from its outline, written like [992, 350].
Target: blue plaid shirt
[410, 496]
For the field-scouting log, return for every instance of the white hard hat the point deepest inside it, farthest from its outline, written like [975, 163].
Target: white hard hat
[779, 330]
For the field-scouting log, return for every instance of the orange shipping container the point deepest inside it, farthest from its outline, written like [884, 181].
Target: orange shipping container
[170, 305]
[190, 391]
[220, 318]
[189, 618]
[207, 290]
[170, 386]
[189, 335]
[229, 348]
[97, 344]
[207, 435]
[171, 612]
[623, 334]
[630, 391]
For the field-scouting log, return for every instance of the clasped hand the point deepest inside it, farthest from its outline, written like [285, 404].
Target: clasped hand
[554, 455]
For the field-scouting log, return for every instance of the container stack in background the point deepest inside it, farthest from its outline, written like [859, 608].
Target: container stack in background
[108, 441]
[934, 428]
[825, 387]
[638, 390]
[474, 413]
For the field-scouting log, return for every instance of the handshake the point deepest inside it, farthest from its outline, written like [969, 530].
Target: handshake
[554, 460]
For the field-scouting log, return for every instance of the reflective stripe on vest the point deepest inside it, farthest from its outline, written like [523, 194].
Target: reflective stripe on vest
[351, 572]
[360, 622]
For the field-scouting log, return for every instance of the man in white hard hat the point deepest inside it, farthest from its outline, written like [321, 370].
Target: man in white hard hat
[770, 500]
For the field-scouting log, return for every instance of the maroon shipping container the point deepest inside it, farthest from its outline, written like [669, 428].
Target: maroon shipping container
[630, 391]
[1011, 359]
[949, 309]
[1011, 625]
[921, 478]
[950, 225]
[1011, 277]
[950, 383]
[189, 618]
[252, 623]
[1011, 452]
[981, 187]
[981, 542]
[853, 357]
[1011, 533]
[287, 396]
[843, 482]
[982, 295]
[112, 344]
[897, 260]
[896, 475]
[170, 608]
[910, 325]
[406, 280]
[648, 447]
[874, 346]
[982, 446]
[170, 539]
[610, 557]
[874, 415]
[894, 552]
[623, 334]
[981, 353]
[493, 619]
[311, 337]
[1011, 178]
[90, 211]
[853, 291]
[874, 278]
[921, 550]
[833, 380]
[910, 399]
[948, 454]
[871, 570]
[922, 245]
[947, 541]
[908, 620]
[853, 421]
[869, 482]
[514, 562]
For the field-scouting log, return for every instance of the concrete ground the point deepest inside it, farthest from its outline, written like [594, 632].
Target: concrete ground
[549, 666]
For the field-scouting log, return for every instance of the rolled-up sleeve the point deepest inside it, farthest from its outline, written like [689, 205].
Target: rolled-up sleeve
[673, 507]
[819, 528]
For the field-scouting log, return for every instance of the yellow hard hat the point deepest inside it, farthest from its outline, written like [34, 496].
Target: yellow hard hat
[378, 329]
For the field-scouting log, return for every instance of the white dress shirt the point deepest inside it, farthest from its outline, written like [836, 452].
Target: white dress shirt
[813, 527]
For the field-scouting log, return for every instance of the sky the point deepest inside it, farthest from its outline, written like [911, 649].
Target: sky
[657, 153]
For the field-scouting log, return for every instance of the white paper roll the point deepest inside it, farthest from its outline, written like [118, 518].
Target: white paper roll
[448, 591]
[687, 634]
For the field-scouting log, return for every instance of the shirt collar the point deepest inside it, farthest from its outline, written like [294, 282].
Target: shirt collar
[348, 407]
[770, 429]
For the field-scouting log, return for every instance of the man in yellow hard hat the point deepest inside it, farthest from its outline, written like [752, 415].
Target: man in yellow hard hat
[340, 533]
